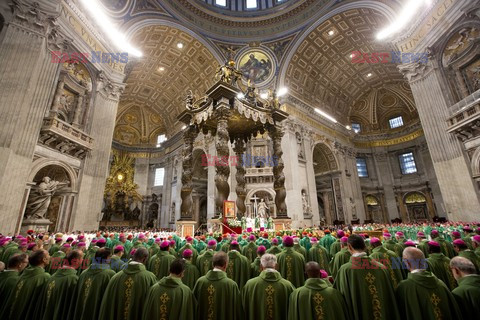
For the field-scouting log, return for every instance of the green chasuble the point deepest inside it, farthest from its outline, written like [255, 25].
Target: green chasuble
[317, 300]
[390, 244]
[218, 297]
[424, 296]
[388, 259]
[126, 293]
[57, 295]
[367, 289]
[467, 295]
[291, 265]
[339, 260]
[91, 286]
[117, 264]
[470, 255]
[266, 296]
[21, 303]
[56, 262]
[327, 241]
[8, 280]
[159, 264]
[439, 265]
[194, 252]
[53, 249]
[274, 250]
[250, 251]
[300, 250]
[204, 262]
[319, 254]
[423, 245]
[169, 298]
[446, 247]
[334, 248]
[238, 268]
[190, 275]
[255, 268]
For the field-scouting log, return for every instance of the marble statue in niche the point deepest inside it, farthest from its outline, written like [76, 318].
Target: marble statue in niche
[41, 196]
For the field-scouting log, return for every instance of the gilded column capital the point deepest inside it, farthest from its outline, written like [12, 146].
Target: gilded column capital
[414, 71]
[30, 16]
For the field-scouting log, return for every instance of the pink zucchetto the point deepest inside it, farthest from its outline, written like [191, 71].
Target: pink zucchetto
[101, 240]
[314, 240]
[189, 239]
[31, 245]
[81, 244]
[212, 243]
[374, 240]
[476, 238]
[456, 234]
[420, 234]
[251, 238]
[433, 244]
[340, 234]
[409, 243]
[274, 241]
[119, 248]
[164, 244]
[141, 236]
[434, 232]
[66, 245]
[187, 253]
[234, 243]
[261, 249]
[344, 239]
[323, 274]
[387, 235]
[459, 242]
[288, 241]
[172, 242]
[158, 240]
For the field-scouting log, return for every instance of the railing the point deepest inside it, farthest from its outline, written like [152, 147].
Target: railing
[64, 129]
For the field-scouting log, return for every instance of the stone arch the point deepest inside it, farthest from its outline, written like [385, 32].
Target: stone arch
[136, 24]
[416, 206]
[269, 191]
[384, 9]
[43, 162]
[323, 152]
[475, 164]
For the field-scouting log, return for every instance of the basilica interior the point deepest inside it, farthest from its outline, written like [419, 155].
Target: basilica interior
[152, 113]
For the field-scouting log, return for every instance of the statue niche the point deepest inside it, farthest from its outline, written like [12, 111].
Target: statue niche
[45, 199]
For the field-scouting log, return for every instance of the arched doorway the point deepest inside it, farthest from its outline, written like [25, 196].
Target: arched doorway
[374, 209]
[199, 192]
[256, 196]
[416, 204]
[327, 183]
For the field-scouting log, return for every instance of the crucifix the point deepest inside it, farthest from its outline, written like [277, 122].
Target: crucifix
[255, 198]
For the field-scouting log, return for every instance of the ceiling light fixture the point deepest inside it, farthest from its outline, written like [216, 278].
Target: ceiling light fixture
[161, 69]
[404, 17]
[282, 91]
[326, 115]
[369, 75]
[184, 127]
[264, 95]
[348, 127]
[240, 96]
[331, 33]
[118, 38]
[180, 45]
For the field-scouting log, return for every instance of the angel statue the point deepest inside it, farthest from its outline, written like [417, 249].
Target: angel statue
[190, 100]
[227, 73]
[40, 197]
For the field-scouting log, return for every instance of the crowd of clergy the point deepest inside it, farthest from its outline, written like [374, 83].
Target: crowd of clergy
[406, 272]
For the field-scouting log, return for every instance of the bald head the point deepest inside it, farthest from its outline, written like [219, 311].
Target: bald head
[312, 269]
[414, 258]
[462, 267]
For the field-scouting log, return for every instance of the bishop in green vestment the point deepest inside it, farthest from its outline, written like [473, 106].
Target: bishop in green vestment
[238, 268]
[169, 298]
[439, 265]
[191, 273]
[91, 287]
[336, 246]
[462, 250]
[274, 249]
[446, 247]
[389, 259]
[159, 264]
[116, 262]
[10, 276]
[250, 250]
[28, 288]
[467, 294]
[316, 299]
[340, 258]
[422, 295]
[204, 261]
[188, 245]
[318, 254]
[266, 296]
[299, 248]
[255, 267]
[126, 292]
[291, 264]
[327, 240]
[218, 297]
[366, 285]
[59, 290]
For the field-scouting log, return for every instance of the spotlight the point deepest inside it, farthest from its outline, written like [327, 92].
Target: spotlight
[369, 75]
[264, 95]
[331, 33]
[180, 45]
[282, 91]
[184, 127]
[161, 69]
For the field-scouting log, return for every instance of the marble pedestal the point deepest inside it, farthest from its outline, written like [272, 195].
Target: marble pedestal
[186, 228]
[38, 225]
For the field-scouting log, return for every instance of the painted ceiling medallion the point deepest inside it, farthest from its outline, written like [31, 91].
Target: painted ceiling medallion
[257, 66]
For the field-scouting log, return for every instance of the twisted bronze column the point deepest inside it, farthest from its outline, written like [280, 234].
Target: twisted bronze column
[186, 209]
[222, 167]
[240, 177]
[278, 177]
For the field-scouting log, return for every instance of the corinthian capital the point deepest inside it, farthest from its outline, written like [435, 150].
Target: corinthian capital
[29, 15]
[414, 71]
[107, 88]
